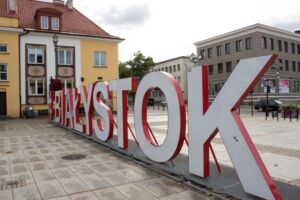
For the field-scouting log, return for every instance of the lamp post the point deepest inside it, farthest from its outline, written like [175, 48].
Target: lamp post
[55, 41]
[277, 66]
[195, 59]
[129, 67]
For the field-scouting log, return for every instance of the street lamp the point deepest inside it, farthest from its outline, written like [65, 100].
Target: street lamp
[55, 41]
[195, 59]
[277, 76]
[129, 67]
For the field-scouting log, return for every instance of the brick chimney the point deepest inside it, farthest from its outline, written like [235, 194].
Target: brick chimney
[11, 6]
[69, 4]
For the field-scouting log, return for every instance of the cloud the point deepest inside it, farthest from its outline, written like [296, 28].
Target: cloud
[291, 23]
[126, 17]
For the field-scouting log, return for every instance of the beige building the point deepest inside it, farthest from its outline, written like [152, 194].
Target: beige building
[178, 67]
[223, 52]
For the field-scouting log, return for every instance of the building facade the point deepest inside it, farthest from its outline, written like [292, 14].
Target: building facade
[222, 53]
[9, 67]
[178, 67]
[56, 40]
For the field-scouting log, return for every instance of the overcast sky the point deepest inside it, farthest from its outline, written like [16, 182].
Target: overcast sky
[165, 29]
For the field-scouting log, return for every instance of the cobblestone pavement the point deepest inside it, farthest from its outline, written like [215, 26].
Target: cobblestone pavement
[32, 168]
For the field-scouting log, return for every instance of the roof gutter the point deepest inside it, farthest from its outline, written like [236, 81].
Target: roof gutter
[116, 39]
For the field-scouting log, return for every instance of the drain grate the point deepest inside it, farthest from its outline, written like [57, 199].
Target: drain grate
[5, 184]
[74, 157]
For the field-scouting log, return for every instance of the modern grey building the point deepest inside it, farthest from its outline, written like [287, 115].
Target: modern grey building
[223, 52]
[178, 67]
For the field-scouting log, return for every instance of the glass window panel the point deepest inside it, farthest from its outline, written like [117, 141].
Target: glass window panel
[3, 48]
[44, 22]
[32, 87]
[69, 84]
[61, 57]
[3, 76]
[3, 68]
[40, 87]
[103, 58]
[96, 59]
[31, 58]
[39, 59]
[55, 23]
[68, 57]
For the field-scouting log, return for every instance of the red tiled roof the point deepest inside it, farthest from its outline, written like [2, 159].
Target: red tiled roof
[72, 20]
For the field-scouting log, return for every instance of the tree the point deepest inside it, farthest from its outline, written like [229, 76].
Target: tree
[139, 66]
[124, 71]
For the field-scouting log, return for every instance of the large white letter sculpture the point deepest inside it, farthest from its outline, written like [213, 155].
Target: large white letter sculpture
[221, 116]
[176, 109]
[103, 133]
[122, 86]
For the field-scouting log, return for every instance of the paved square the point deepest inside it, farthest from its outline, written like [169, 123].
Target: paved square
[32, 168]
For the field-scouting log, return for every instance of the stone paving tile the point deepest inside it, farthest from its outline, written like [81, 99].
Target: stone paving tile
[20, 168]
[110, 193]
[6, 195]
[84, 196]
[73, 185]
[61, 198]
[187, 195]
[132, 175]
[176, 186]
[134, 192]
[43, 175]
[156, 188]
[26, 176]
[62, 173]
[52, 164]
[29, 192]
[50, 189]
[38, 166]
[115, 178]
[93, 181]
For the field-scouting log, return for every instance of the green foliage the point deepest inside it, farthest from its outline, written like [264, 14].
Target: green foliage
[290, 107]
[124, 72]
[140, 66]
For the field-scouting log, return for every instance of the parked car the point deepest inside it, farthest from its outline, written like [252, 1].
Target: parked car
[163, 103]
[150, 101]
[273, 105]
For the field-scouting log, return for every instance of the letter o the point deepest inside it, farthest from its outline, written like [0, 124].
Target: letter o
[176, 110]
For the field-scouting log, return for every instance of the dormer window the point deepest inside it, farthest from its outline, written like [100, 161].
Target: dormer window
[44, 22]
[54, 23]
[48, 19]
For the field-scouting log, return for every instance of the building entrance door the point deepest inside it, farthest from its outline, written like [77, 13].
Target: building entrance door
[3, 103]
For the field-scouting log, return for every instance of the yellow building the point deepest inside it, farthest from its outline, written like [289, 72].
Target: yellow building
[47, 40]
[9, 67]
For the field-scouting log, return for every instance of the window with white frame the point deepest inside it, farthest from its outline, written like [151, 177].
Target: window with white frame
[99, 58]
[65, 56]
[3, 72]
[55, 23]
[3, 48]
[67, 83]
[35, 55]
[44, 22]
[36, 87]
